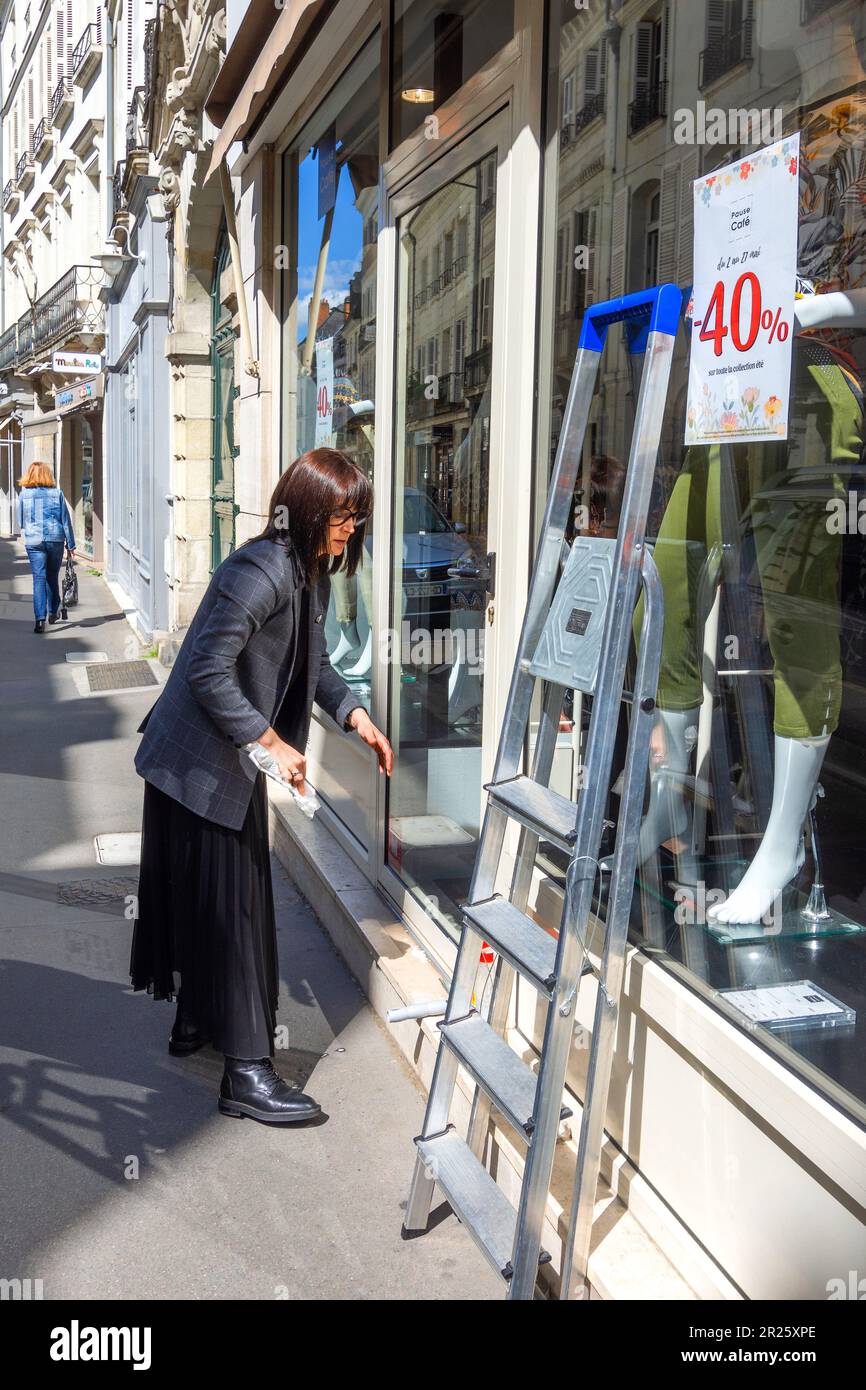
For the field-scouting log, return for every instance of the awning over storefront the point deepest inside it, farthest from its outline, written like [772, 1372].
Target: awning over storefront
[246, 82]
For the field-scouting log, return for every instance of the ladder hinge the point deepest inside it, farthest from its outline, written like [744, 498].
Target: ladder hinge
[438, 1135]
[446, 1022]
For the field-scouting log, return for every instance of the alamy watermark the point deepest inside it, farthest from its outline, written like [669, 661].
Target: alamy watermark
[711, 125]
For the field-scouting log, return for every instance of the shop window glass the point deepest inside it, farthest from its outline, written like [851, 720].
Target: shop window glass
[756, 792]
[441, 545]
[330, 320]
[437, 47]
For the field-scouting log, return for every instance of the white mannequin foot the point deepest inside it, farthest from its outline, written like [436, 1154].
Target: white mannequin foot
[365, 664]
[780, 857]
[668, 814]
[349, 642]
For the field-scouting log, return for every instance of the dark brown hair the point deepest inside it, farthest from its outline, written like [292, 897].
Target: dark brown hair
[318, 483]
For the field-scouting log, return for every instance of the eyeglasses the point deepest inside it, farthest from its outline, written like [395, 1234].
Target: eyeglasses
[340, 518]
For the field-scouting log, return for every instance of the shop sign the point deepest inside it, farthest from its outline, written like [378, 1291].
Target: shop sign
[79, 394]
[324, 392]
[83, 362]
[327, 171]
[745, 259]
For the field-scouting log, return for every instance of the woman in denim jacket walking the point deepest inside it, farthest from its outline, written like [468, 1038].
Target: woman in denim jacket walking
[45, 523]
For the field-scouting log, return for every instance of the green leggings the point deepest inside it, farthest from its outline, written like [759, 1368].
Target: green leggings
[787, 486]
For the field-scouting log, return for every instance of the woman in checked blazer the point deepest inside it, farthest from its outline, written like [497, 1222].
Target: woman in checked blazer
[250, 667]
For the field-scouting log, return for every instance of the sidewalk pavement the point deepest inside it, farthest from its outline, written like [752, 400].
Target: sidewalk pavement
[118, 1177]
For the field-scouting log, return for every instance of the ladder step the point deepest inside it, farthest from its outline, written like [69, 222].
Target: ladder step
[483, 1207]
[523, 943]
[496, 1067]
[538, 808]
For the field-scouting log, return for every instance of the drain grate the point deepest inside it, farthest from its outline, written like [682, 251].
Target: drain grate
[120, 675]
[87, 892]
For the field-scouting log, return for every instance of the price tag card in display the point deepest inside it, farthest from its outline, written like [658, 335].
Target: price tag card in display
[745, 266]
[798, 1004]
[324, 392]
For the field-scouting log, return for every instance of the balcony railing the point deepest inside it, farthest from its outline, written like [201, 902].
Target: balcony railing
[8, 347]
[62, 101]
[476, 370]
[24, 328]
[449, 274]
[813, 9]
[585, 116]
[43, 137]
[724, 54]
[24, 169]
[136, 138]
[87, 54]
[118, 200]
[72, 306]
[10, 193]
[149, 54]
[449, 393]
[650, 104]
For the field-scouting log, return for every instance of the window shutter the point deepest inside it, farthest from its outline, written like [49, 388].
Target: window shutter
[643, 56]
[591, 69]
[49, 69]
[568, 99]
[618, 232]
[689, 171]
[99, 24]
[669, 209]
[130, 29]
[718, 20]
[592, 268]
[666, 24]
[602, 64]
[30, 112]
[70, 41]
[61, 44]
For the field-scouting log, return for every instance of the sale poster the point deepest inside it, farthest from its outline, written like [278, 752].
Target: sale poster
[324, 392]
[745, 263]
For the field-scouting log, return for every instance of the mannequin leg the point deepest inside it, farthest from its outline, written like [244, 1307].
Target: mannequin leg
[780, 857]
[364, 665]
[798, 560]
[345, 594]
[669, 813]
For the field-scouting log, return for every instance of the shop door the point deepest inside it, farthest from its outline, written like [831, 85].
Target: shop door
[442, 607]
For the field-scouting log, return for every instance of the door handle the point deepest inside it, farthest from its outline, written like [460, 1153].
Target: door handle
[491, 573]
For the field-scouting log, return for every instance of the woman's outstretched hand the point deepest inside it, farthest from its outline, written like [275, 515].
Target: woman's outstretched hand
[292, 764]
[366, 730]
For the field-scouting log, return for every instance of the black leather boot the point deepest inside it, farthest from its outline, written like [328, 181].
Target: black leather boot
[251, 1087]
[39, 625]
[185, 1035]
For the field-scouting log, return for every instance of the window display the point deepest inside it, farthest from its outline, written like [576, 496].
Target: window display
[333, 172]
[750, 872]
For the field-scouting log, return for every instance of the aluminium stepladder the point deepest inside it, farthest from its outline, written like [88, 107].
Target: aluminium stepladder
[576, 634]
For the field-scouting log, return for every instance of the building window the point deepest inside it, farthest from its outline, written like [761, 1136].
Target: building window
[651, 241]
[223, 506]
[729, 39]
[437, 47]
[650, 86]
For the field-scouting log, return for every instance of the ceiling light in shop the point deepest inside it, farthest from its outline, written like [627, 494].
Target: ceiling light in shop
[420, 96]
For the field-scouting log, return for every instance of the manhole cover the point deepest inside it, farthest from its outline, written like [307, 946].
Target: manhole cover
[83, 892]
[120, 675]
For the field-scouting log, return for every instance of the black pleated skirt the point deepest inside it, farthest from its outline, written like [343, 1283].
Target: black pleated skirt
[205, 922]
